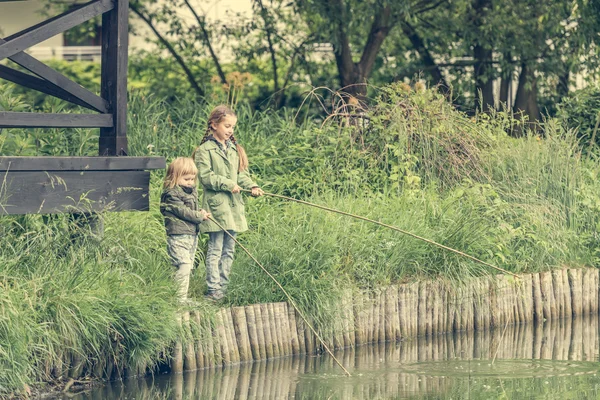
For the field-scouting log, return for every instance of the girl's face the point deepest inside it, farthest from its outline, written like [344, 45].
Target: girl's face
[223, 130]
[188, 180]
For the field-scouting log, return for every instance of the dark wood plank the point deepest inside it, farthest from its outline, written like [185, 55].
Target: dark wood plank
[47, 29]
[10, 119]
[41, 85]
[72, 191]
[115, 37]
[26, 61]
[9, 163]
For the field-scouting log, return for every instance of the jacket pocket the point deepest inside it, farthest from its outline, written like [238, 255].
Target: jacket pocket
[217, 203]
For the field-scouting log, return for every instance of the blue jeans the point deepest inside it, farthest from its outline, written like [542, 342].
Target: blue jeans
[219, 257]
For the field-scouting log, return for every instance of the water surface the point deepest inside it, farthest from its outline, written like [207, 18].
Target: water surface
[558, 360]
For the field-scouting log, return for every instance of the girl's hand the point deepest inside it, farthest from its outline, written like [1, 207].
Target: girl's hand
[205, 215]
[236, 189]
[256, 192]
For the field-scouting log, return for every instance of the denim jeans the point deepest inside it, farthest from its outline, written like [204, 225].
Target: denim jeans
[182, 249]
[219, 257]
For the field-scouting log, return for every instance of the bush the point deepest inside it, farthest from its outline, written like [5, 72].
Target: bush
[580, 112]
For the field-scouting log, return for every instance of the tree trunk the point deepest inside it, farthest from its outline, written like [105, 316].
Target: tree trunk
[483, 71]
[504, 86]
[484, 84]
[526, 100]
[419, 46]
[506, 82]
[562, 87]
[353, 75]
[352, 80]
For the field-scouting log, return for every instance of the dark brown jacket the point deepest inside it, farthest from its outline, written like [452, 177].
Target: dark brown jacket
[179, 206]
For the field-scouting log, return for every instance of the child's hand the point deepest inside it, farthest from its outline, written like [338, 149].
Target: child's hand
[205, 215]
[236, 189]
[256, 191]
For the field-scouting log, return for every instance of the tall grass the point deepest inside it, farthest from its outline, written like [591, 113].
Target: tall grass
[114, 299]
[525, 205]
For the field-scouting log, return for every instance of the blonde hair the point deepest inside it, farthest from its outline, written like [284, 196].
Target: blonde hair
[179, 167]
[216, 116]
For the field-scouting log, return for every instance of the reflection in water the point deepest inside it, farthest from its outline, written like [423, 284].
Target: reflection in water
[555, 361]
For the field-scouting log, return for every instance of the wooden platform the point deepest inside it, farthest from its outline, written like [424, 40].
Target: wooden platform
[48, 185]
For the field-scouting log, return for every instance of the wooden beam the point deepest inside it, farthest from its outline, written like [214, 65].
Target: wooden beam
[47, 29]
[73, 191]
[115, 37]
[42, 120]
[93, 101]
[48, 163]
[41, 85]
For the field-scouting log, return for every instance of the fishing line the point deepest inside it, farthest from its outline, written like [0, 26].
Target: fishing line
[291, 301]
[390, 227]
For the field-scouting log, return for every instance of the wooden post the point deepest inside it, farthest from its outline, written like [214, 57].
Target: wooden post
[198, 339]
[285, 324]
[177, 358]
[264, 312]
[252, 332]
[113, 140]
[241, 327]
[538, 304]
[295, 344]
[275, 331]
[189, 356]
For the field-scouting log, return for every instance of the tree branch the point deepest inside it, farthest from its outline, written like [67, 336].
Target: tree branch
[297, 51]
[268, 30]
[433, 6]
[426, 56]
[170, 48]
[343, 53]
[206, 38]
[380, 29]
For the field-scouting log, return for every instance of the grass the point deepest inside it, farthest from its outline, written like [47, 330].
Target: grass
[525, 205]
[88, 299]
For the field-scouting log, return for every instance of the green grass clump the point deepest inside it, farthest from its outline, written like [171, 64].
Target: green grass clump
[93, 300]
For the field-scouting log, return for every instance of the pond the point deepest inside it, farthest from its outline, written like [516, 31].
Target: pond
[557, 360]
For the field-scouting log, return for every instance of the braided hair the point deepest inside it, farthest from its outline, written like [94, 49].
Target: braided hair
[216, 116]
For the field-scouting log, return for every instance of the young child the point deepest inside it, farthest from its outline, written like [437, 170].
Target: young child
[179, 206]
[223, 171]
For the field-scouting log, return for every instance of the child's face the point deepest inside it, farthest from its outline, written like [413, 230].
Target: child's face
[224, 130]
[188, 180]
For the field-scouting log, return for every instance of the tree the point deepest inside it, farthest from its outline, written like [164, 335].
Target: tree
[353, 26]
[543, 41]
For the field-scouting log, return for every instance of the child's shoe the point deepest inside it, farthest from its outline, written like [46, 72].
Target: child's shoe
[214, 296]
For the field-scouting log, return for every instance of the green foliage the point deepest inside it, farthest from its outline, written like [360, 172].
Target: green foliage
[580, 111]
[91, 300]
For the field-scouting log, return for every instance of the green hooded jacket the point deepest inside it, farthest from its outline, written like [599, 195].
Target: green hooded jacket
[218, 175]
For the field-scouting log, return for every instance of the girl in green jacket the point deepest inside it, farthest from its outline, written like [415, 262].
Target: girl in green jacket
[223, 171]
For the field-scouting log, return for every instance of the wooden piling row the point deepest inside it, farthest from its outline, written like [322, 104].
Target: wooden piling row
[418, 309]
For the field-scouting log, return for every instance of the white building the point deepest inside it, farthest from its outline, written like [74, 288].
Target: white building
[16, 15]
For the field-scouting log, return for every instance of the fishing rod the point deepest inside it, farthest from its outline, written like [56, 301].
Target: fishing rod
[291, 301]
[390, 227]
